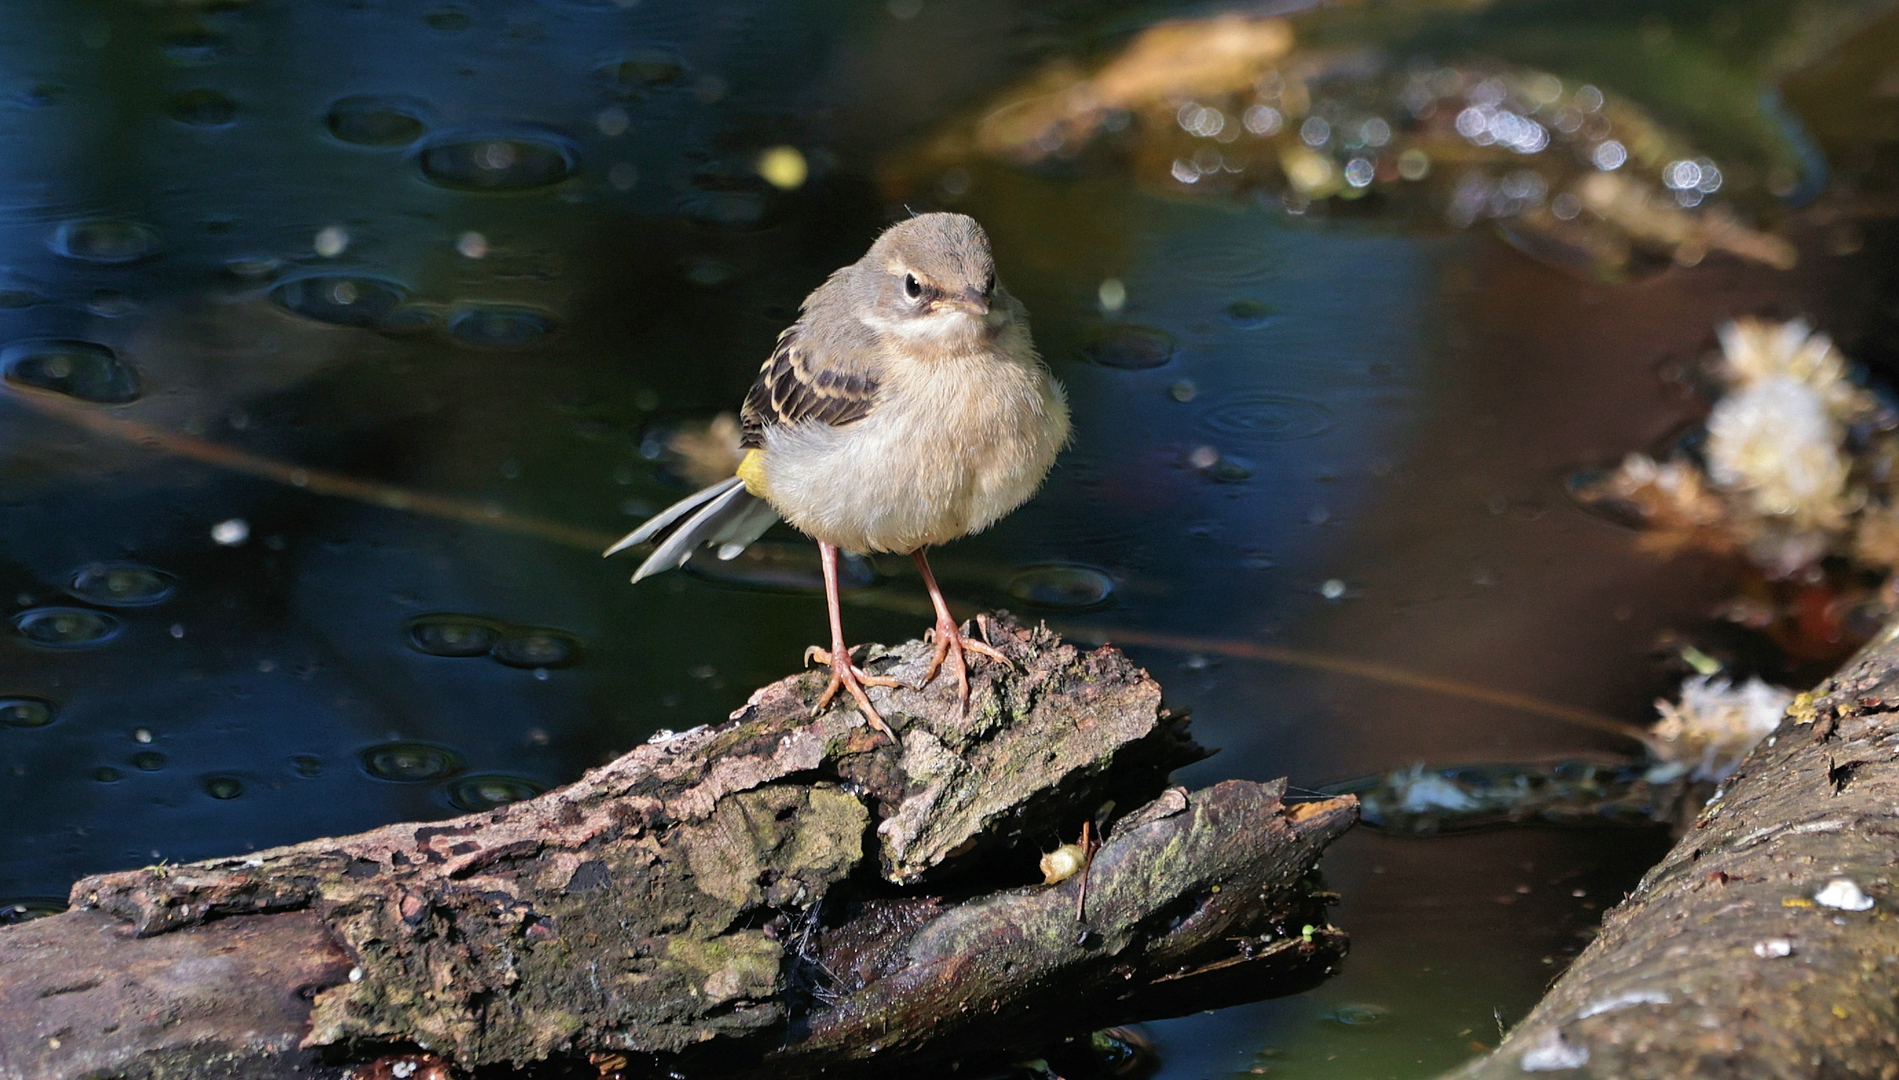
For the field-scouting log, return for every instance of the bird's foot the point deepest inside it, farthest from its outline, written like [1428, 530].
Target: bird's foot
[846, 675]
[951, 645]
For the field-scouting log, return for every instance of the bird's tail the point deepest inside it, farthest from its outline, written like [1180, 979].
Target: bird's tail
[724, 514]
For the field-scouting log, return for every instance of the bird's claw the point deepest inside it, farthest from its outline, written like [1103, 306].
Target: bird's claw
[951, 645]
[846, 675]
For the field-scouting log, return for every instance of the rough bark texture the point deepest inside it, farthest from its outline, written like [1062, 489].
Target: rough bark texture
[783, 892]
[1739, 955]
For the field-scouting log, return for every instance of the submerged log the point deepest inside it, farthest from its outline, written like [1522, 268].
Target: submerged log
[782, 892]
[1765, 944]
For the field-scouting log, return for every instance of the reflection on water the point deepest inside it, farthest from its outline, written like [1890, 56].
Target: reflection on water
[338, 339]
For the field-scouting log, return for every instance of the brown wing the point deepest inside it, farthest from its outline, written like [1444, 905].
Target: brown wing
[793, 389]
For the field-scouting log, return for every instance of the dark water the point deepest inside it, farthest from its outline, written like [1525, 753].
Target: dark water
[341, 337]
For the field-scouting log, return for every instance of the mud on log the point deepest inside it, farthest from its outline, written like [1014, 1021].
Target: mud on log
[1765, 944]
[781, 892]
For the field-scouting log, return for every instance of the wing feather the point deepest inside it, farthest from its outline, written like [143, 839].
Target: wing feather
[796, 387]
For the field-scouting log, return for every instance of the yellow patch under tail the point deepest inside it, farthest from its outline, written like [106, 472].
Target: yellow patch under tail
[751, 469]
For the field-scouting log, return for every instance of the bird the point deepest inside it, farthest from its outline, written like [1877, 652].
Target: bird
[905, 407]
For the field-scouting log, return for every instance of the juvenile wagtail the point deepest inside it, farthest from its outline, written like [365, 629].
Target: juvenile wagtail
[906, 407]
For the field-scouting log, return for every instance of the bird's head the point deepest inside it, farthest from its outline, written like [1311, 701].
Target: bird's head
[932, 279]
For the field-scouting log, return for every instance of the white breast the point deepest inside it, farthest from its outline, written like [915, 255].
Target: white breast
[952, 446]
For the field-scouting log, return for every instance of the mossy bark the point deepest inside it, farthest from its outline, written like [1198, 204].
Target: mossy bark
[783, 891]
[1738, 955]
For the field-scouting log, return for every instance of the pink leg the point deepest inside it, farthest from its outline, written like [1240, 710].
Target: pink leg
[844, 674]
[950, 642]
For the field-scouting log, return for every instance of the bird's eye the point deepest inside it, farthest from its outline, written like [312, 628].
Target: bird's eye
[911, 286]
[989, 285]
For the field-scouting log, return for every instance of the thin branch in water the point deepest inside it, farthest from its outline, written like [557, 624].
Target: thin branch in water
[317, 481]
[492, 516]
[1370, 670]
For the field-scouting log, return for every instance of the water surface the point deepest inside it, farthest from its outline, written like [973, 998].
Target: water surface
[340, 337]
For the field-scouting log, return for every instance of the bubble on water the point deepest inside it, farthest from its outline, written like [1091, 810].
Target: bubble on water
[1230, 470]
[642, 70]
[1112, 295]
[1268, 418]
[148, 761]
[122, 585]
[222, 787]
[499, 326]
[471, 245]
[1609, 155]
[489, 790]
[308, 766]
[448, 20]
[623, 176]
[726, 209]
[1061, 585]
[330, 241]
[475, 162]
[203, 107]
[66, 627]
[252, 267]
[25, 712]
[77, 369]
[106, 774]
[537, 647]
[1359, 1015]
[142, 736]
[103, 240]
[111, 304]
[1129, 346]
[708, 271]
[1250, 314]
[1228, 259]
[195, 46]
[409, 762]
[376, 120]
[612, 121]
[341, 299]
[453, 635]
[1332, 589]
[26, 909]
[231, 533]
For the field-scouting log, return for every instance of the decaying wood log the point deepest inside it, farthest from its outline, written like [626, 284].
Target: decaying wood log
[1765, 944]
[781, 892]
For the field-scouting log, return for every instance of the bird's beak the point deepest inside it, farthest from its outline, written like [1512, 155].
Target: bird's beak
[972, 300]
